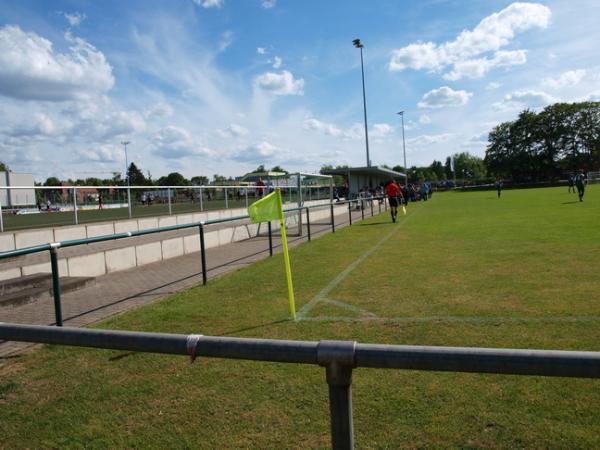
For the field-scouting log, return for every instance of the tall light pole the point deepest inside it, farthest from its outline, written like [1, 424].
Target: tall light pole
[125, 144]
[401, 113]
[359, 45]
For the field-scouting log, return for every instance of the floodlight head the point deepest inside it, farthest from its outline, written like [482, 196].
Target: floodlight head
[357, 43]
[401, 113]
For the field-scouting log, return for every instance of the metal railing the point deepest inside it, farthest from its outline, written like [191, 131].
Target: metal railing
[54, 246]
[120, 197]
[339, 358]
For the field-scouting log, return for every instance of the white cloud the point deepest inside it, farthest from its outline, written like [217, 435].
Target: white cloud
[477, 68]
[424, 119]
[261, 50]
[525, 99]
[103, 153]
[326, 128]
[444, 96]
[233, 130]
[268, 4]
[209, 3]
[74, 19]
[566, 79]
[31, 70]
[493, 85]
[381, 130]
[174, 142]
[159, 110]
[226, 41]
[490, 35]
[38, 125]
[260, 152]
[282, 83]
[277, 61]
[428, 139]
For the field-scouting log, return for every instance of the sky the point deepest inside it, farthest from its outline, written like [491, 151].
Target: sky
[206, 87]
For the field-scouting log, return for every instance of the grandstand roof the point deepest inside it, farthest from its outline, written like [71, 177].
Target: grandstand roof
[382, 172]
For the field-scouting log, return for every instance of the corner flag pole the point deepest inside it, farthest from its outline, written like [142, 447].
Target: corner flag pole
[286, 256]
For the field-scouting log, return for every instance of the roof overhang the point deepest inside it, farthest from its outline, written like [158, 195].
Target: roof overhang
[382, 172]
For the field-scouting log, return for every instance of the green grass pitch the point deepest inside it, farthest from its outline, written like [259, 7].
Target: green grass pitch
[464, 269]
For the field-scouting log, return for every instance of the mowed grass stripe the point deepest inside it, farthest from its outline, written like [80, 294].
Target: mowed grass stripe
[442, 261]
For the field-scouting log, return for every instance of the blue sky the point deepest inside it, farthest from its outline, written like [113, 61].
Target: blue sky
[209, 87]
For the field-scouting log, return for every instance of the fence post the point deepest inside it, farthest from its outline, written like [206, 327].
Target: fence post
[128, 198]
[379, 204]
[371, 202]
[226, 199]
[169, 195]
[201, 201]
[271, 239]
[362, 208]
[332, 218]
[56, 284]
[384, 204]
[338, 358]
[350, 211]
[75, 205]
[202, 253]
[246, 190]
[1, 218]
[308, 223]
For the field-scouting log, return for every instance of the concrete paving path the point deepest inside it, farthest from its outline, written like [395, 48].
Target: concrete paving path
[120, 291]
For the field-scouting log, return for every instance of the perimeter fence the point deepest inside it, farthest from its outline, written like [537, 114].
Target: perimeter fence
[339, 358]
[309, 220]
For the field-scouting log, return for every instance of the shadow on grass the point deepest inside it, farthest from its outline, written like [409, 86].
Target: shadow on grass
[570, 203]
[387, 222]
[262, 325]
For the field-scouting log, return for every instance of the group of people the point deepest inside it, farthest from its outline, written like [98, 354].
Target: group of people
[577, 181]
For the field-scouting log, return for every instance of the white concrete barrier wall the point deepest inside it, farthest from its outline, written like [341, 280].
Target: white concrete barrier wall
[125, 258]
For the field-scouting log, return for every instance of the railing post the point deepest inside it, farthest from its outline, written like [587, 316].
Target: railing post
[1, 218]
[129, 200]
[379, 205]
[226, 199]
[338, 358]
[169, 195]
[350, 211]
[332, 218]
[371, 202]
[270, 239]
[56, 284]
[384, 204]
[75, 205]
[202, 253]
[201, 201]
[362, 208]
[308, 223]
[246, 191]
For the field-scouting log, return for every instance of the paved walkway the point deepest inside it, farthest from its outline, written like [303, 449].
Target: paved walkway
[120, 291]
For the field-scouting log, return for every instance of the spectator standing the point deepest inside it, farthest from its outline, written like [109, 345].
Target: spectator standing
[393, 193]
[260, 187]
[499, 186]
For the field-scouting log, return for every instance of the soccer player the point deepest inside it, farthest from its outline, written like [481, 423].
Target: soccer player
[393, 192]
[580, 183]
[499, 186]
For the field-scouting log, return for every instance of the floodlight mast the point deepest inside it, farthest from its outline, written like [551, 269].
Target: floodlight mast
[360, 46]
[125, 144]
[401, 113]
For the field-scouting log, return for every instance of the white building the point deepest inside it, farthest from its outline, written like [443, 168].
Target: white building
[12, 198]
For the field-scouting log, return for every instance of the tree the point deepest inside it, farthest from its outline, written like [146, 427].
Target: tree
[136, 176]
[199, 180]
[4, 167]
[173, 179]
[260, 168]
[278, 169]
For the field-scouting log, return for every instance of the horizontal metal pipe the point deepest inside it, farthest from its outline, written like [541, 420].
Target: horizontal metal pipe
[481, 360]
[211, 346]
[449, 359]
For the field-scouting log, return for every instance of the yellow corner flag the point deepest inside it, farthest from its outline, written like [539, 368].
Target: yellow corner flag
[404, 209]
[271, 208]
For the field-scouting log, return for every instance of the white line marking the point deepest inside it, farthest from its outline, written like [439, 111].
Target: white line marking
[348, 306]
[455, 319]
[322, 295]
